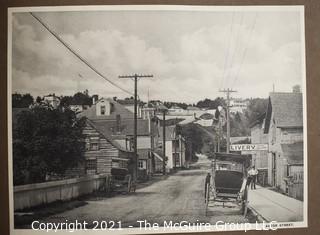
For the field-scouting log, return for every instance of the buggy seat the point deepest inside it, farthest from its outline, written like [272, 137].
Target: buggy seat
[228, 182]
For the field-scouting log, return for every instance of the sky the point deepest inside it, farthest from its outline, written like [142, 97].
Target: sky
[191, 54]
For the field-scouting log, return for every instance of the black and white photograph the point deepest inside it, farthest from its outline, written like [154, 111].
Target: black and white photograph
[156, 119]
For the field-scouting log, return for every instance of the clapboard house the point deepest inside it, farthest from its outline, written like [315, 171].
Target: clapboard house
[110, 128]
[283, 125]
[101, 153]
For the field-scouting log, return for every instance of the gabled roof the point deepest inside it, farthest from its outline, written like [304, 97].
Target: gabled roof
[258, 121]
[107, 136]
[109, 127]
[126, 101]
[286, 108]
[117, 109]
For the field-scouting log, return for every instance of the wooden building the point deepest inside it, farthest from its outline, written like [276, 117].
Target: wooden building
[283, 125]
[101, 154]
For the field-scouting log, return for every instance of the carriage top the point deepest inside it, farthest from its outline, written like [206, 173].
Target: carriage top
[243, 159]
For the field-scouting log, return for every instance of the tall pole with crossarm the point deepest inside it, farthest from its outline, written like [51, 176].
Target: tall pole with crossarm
[135, 77]
[228, 91]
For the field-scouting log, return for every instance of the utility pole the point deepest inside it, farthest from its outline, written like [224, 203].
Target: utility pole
[219, 136]
[162, 108]
[164, 142]
[135, 77]
[228, 91]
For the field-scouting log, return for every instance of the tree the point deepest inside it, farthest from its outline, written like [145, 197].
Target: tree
[38, 99]
[46, 141]
[79, 98]
[194, 137]
[211, 104]
[180, 105]
[240, 122]
[21, 100]
[256, 108]
[66, 101]
[82, 98]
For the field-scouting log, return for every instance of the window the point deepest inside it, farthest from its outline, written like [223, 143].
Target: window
[141, 164]
[103, 110]
[87, 144]
[175, 145]
[94, 146]
[91, 166]
[176, 159]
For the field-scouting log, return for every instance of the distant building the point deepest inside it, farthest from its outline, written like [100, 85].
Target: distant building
[260, 158]
[238, 105]
[283, 125]
[192, 108]
[52, 100]
[175, 148]
[129, 104]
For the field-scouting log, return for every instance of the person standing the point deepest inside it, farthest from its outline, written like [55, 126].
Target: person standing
[253, 173]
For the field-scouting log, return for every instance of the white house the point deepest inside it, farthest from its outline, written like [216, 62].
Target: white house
[52, 100]
[175, 148]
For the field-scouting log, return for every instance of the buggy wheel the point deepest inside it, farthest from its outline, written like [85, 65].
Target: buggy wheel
[133, 186]
[244, 206]
[129, 184]
[207, 197]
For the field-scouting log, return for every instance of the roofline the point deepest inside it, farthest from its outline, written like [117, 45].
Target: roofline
[258, 120]
[290, 126]
[109, 138]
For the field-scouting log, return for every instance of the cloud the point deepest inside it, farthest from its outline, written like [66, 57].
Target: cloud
[191, 71]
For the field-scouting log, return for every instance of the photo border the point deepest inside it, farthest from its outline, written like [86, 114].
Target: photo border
[306, 143]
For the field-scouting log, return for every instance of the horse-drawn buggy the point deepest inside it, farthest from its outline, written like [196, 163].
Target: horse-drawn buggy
[227, 180]
[121, 181]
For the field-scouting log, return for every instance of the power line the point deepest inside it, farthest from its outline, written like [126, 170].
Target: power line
[77, 55]
[246, 48]
[136, 77]
[228, 51]
[228, 91]
[236, 48]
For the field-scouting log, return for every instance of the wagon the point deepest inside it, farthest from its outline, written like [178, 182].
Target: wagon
[228, 180]
[121, 181]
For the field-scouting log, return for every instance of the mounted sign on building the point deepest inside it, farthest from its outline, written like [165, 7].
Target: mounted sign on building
[249, 147]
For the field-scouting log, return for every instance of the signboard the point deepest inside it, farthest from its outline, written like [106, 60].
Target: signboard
[249, 147]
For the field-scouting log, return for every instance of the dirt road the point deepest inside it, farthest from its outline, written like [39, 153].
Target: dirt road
[178, 197]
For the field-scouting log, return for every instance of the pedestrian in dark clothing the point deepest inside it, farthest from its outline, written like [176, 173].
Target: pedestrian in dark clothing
[207, 183]
[253, 175]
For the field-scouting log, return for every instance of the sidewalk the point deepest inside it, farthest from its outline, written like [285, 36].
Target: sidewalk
[273, 206]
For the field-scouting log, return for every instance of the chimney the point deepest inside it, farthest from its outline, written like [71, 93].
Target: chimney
[94, 99]
[118, 123]
[296, 89]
